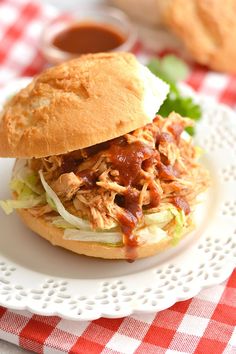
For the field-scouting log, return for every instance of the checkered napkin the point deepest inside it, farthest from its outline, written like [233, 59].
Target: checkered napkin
[205, 324]
[202, 325]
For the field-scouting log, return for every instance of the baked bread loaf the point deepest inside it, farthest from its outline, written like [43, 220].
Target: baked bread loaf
[207, 28]
[146, 11]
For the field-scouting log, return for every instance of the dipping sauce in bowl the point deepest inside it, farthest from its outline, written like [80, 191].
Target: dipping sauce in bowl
[100, 29]
[88, 37]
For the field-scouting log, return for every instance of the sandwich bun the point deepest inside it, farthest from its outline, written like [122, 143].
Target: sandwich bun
[43, 226]
[75, 105]
[80, 103]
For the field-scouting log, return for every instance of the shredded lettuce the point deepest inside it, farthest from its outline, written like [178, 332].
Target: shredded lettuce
[22, 190]
[151, 234]
[51, 202]
[70, 233]
[24, 174]
[180, 223]
[8, 206]
[92, 236]
[161, 218]
[70, 218]
[61, 223]
[25, 185]
[148, 234]
[31, 181]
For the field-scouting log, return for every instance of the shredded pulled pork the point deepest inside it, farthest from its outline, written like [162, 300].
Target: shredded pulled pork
[114, 182]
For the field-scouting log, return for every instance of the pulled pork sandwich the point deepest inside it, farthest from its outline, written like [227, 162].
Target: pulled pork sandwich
[96, 173]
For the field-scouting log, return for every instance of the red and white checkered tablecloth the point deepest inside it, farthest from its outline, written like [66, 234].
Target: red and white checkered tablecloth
[205, 324]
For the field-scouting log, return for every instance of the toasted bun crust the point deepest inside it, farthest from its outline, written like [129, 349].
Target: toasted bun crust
[77, 104]
[207, 28]
[43, 227]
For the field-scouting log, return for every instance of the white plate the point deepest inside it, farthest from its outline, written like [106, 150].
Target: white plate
[51, 281]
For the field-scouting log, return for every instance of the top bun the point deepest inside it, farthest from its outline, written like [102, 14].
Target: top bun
[80, 103]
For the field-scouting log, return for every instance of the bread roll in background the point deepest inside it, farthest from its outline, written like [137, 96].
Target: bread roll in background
[146, 11]
[207, 28]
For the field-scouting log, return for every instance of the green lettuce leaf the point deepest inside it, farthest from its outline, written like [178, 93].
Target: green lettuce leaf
[61, 223]
[161, 218]
[180, 221]
[70, 218]
[51, 202]
[9, 206]
[26, 195]
[93, 236]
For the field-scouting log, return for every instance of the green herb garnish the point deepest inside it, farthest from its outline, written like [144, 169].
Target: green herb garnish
[172, 69]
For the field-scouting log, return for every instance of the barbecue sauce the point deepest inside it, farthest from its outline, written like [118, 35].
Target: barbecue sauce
[155, 197]
[89, 178]
[181, 204]
[167, 172]
[69, 164]
[88, 37]
[128, 221]
[128, 160]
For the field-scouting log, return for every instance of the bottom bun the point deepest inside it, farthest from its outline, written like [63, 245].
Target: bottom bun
[44, 227]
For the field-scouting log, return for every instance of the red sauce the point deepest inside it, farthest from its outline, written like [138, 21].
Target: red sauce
[167, 173]
[94, 149]
[89, 178]
[155, 197]
[88, 37]
[128, 221]
[69, 164]
[155, 159]
[128, 159]
[130, 217]
[181, 204]
[164, 159]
